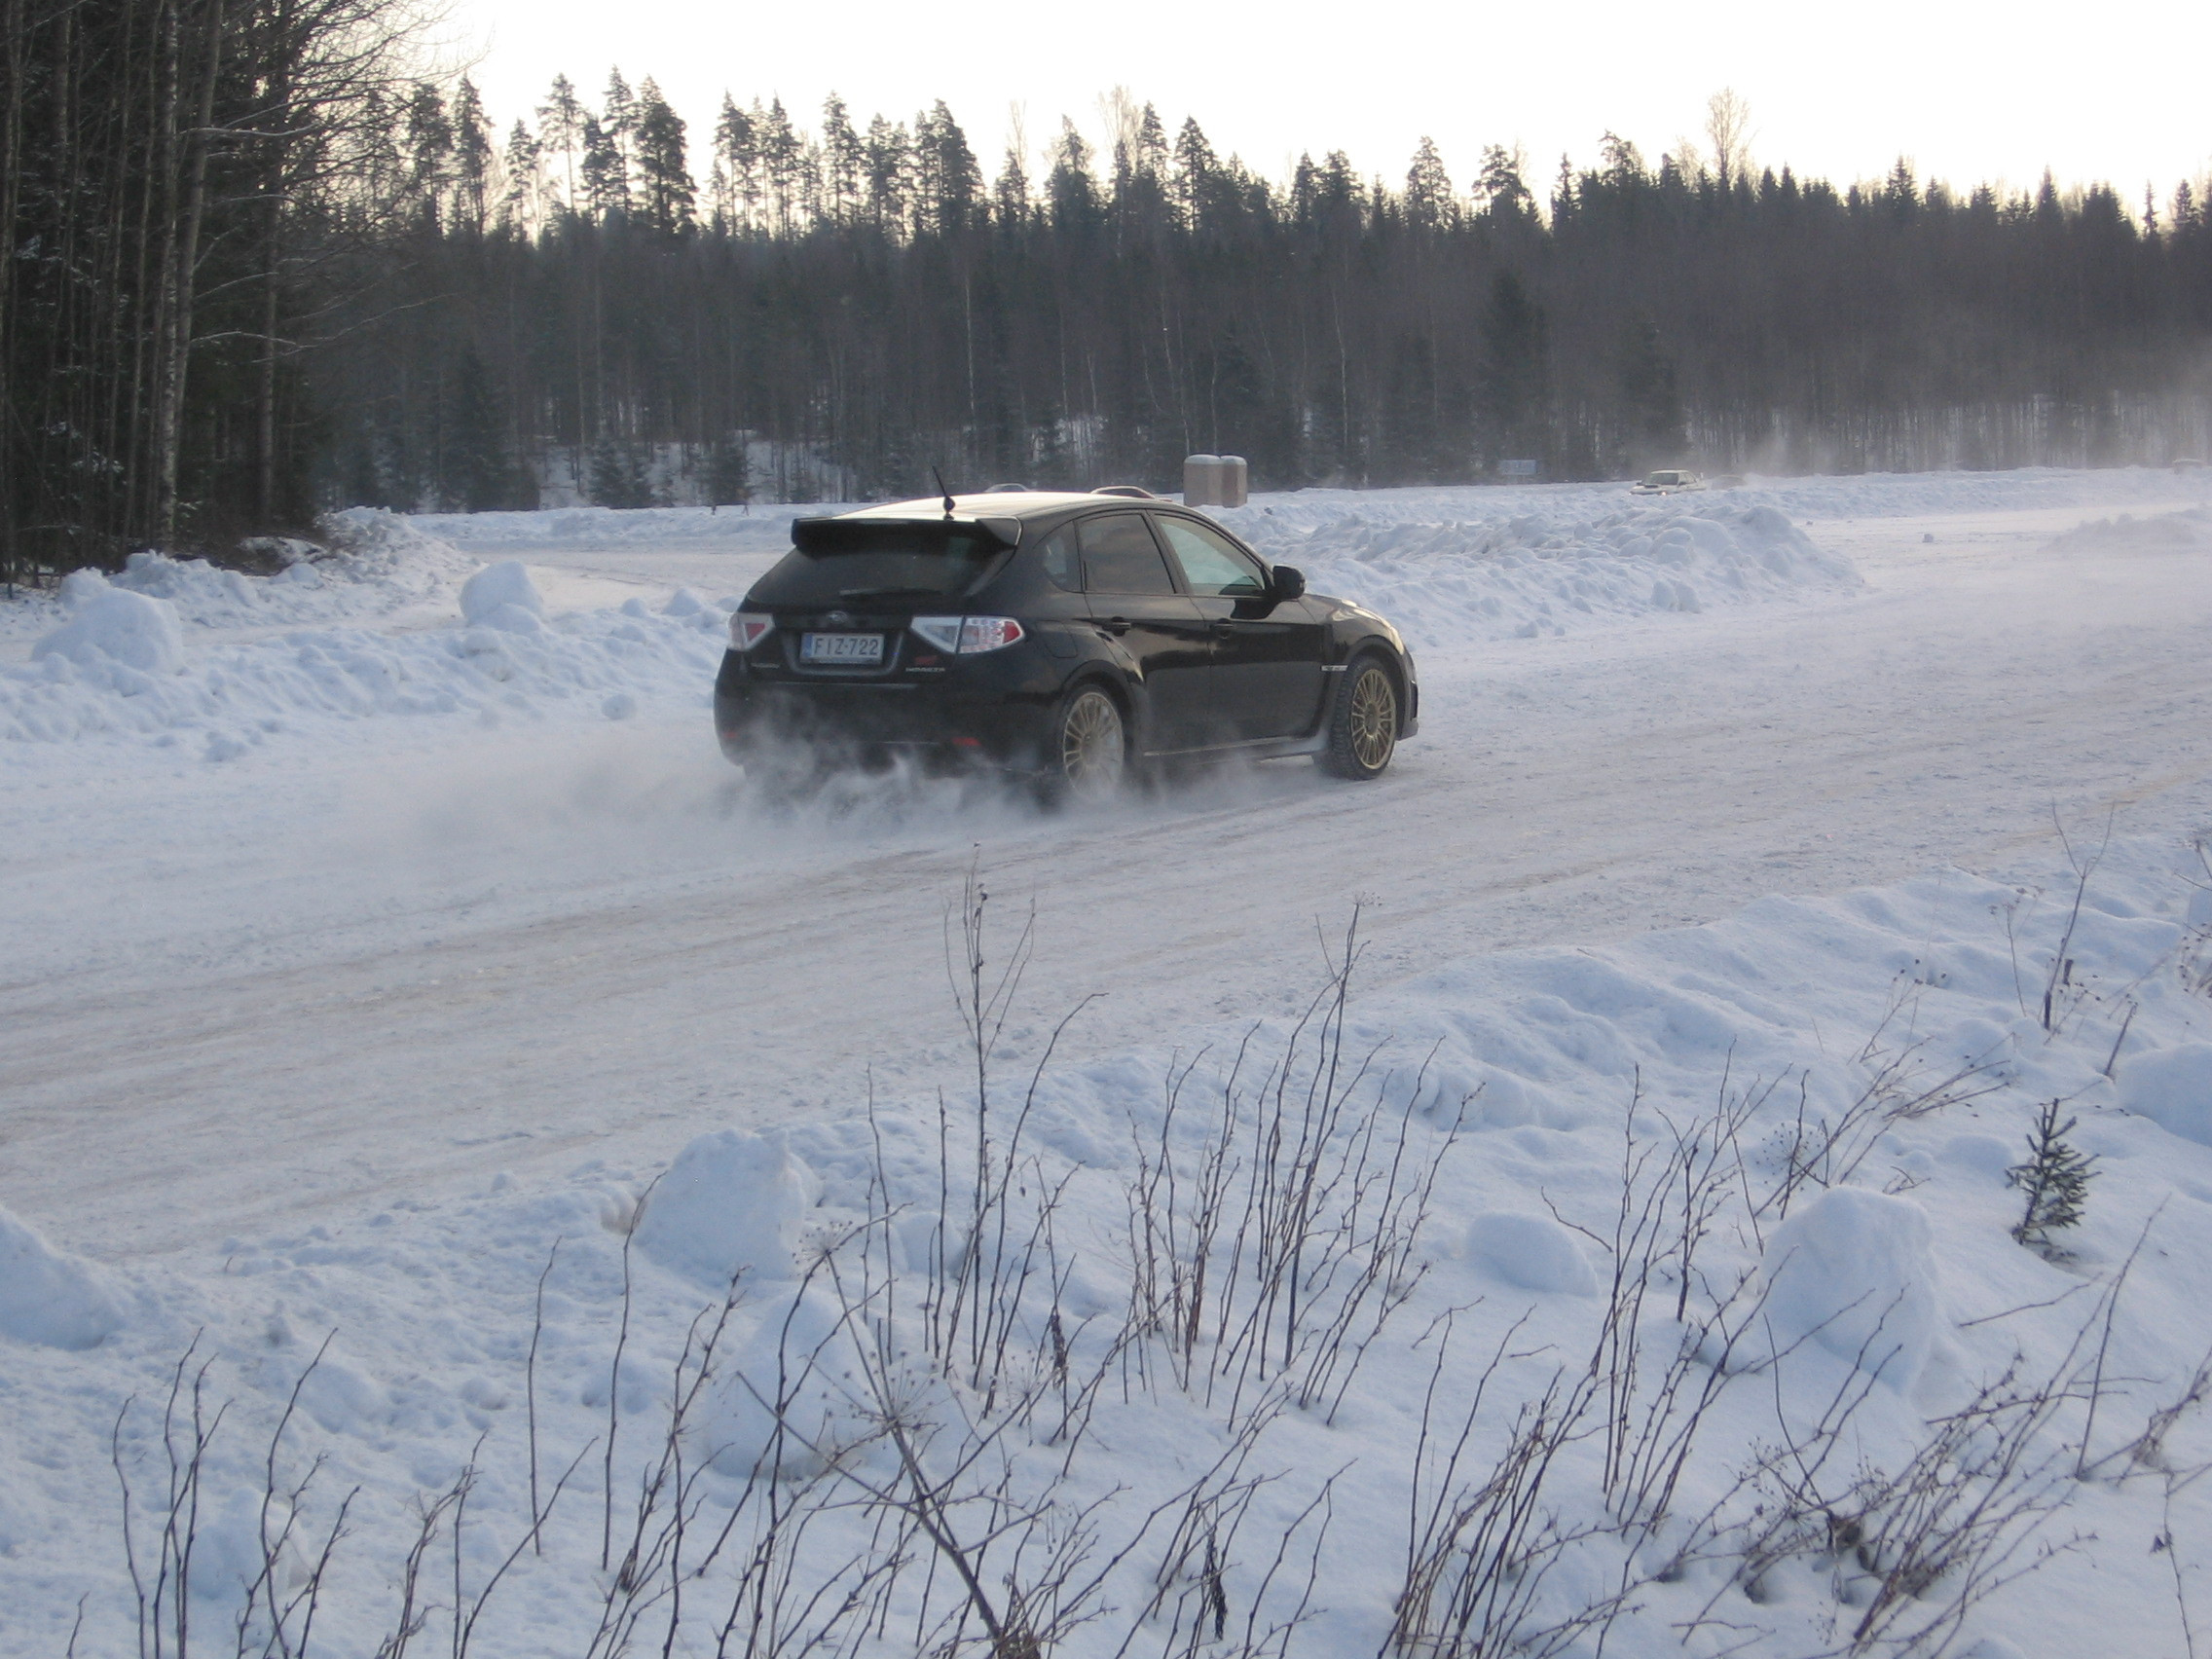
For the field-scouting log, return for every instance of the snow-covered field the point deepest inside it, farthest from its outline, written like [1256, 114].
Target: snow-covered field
[412, 1002]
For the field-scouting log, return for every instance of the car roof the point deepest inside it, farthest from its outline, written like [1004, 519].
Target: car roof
[1003, 503]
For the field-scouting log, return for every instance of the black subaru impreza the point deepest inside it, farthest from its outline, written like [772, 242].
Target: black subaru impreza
[1070, 639]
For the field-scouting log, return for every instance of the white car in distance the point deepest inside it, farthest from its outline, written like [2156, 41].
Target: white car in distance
[1666, 483]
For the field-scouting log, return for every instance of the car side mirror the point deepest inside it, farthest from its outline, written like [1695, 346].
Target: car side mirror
[1287, 582]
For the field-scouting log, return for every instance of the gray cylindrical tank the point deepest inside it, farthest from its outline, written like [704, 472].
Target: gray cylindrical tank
[1202, 480]
[1235, 481]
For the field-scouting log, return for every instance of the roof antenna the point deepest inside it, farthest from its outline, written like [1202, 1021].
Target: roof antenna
[947, 494]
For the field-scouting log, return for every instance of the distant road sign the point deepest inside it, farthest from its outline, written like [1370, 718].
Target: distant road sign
[1517, 469]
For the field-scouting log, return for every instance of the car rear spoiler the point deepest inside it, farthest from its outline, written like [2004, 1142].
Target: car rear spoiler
[826, 534]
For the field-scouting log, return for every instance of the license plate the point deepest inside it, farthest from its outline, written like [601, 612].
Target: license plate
[847, 651]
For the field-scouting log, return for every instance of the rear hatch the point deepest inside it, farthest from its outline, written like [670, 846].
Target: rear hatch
[844, 595]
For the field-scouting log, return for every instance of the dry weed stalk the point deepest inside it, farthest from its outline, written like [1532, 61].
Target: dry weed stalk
[1281, 1243]
[1478, 1551]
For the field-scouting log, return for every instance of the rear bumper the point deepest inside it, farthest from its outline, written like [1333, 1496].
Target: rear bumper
[996, 714]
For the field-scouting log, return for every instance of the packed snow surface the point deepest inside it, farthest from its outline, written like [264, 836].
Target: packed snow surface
[1789, 1069]
[469, 1091]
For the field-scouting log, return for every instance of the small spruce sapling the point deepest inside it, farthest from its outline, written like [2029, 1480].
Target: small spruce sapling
[2056, 1178]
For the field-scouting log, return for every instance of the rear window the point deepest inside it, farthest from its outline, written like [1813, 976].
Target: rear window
[1058, 558]
[1120, 556]
[837, 560]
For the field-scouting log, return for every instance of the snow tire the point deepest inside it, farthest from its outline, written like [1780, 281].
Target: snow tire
[1363, 721]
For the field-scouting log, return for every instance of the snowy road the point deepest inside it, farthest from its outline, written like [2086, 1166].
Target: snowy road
[444, 956]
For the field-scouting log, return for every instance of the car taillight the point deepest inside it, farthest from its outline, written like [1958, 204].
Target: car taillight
[748, 629]
[966, 636]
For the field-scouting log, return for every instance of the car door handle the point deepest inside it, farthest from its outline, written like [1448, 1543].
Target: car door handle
[1112, 624]
[1222, 630]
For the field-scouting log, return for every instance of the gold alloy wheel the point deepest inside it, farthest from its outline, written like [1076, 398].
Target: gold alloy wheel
[1374, 718]
[1093, 748]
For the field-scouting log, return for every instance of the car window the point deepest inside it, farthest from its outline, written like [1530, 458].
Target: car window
[832, 560]
[1211, 564]
[1059, 560]
[1120, 556]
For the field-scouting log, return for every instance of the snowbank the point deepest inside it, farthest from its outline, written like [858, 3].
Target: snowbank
[789, 1397]
[171, 650]
[730, 1204]
[722, 530]
[491, 594]
[1866, 1225]
[49, 1298]
[1868, 495]
[2187, 532]
[1873, 494]
[362, 625]
[111, 626]
[1534, 574]
[248, 693]
[1532, 1251]
[2173, 1088]
[1855, 1271]
[374, 564]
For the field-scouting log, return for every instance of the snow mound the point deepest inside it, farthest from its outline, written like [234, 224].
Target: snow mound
[1532, 1251]
[1535, 574]
[511, 619]
[229, 1554]
[288, 551]
[117, 665]
[202, 592]
[372, 565]
[240, 694]
[731, 1203]
[722, 530]
[376, 564]
[1855, 1271]
[384, 543]
[2188, 531]
[498, 589]
[786, 1402]
[2173, 1088]
[48, 1298]
[110, 626]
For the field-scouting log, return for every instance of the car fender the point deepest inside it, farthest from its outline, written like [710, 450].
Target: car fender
[1350, 627]
[1353, 629]
[1112, 664]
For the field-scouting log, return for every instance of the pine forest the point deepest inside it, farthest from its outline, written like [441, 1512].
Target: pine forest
[261, 270]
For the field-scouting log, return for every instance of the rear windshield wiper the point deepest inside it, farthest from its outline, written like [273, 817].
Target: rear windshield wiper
[893, 593]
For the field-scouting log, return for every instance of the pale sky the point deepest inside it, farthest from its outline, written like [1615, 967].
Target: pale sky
[2121, 91]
